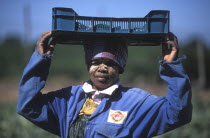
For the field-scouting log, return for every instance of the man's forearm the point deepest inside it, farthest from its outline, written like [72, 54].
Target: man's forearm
[33, 79]
[179, 89]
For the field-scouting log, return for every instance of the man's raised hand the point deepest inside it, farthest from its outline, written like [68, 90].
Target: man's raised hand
[170, 53]
[43, 45]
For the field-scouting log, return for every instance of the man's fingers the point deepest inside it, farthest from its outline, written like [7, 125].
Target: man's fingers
[170, 48]
[44, 33]
[42, 44]
[50, 49]
[176, 41]
[41, 39]
[53, 42]
[45, 37]
[173, 46]
[173, 42]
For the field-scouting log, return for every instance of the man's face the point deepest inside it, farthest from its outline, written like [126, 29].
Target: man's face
[103, 73]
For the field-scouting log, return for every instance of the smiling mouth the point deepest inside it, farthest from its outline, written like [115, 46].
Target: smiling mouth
[102, 78]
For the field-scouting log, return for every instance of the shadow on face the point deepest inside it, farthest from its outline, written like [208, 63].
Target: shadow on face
[103, 73]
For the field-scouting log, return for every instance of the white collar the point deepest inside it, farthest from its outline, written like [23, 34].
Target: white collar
[87, 87]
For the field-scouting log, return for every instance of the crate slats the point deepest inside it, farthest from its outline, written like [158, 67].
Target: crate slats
[153, 26]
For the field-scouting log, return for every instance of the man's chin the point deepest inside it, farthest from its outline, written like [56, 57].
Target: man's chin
[102, 85]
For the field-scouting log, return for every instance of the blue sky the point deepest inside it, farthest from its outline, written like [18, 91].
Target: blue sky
[187, 17]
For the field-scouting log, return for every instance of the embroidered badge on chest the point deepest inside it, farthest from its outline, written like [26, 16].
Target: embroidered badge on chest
[117, 116]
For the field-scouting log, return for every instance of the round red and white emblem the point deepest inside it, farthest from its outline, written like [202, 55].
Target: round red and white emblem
[117, 116]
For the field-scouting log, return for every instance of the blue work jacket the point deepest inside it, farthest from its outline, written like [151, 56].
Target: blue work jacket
[129, 112]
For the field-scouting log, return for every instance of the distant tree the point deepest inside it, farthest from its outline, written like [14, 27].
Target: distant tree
[201, 65]
[11, 57]
[197, 63]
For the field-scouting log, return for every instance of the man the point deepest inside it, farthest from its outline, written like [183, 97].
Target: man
[101, 107]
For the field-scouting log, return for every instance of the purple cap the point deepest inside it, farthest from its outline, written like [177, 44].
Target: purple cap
[108, 48]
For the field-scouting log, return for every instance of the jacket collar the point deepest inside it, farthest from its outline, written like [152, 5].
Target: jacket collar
[87, 87]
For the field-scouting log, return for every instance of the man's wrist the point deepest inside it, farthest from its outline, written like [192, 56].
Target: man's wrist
[177, 60]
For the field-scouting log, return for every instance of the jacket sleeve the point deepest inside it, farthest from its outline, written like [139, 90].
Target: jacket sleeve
[38, 108]
[176, 109]
[165, 113]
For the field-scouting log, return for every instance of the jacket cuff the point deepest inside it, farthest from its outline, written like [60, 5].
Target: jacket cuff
[45, 56]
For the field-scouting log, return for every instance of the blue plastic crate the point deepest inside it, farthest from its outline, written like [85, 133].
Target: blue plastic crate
[149, 30]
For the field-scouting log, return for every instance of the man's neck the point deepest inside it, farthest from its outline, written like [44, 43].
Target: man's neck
[101, 89]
